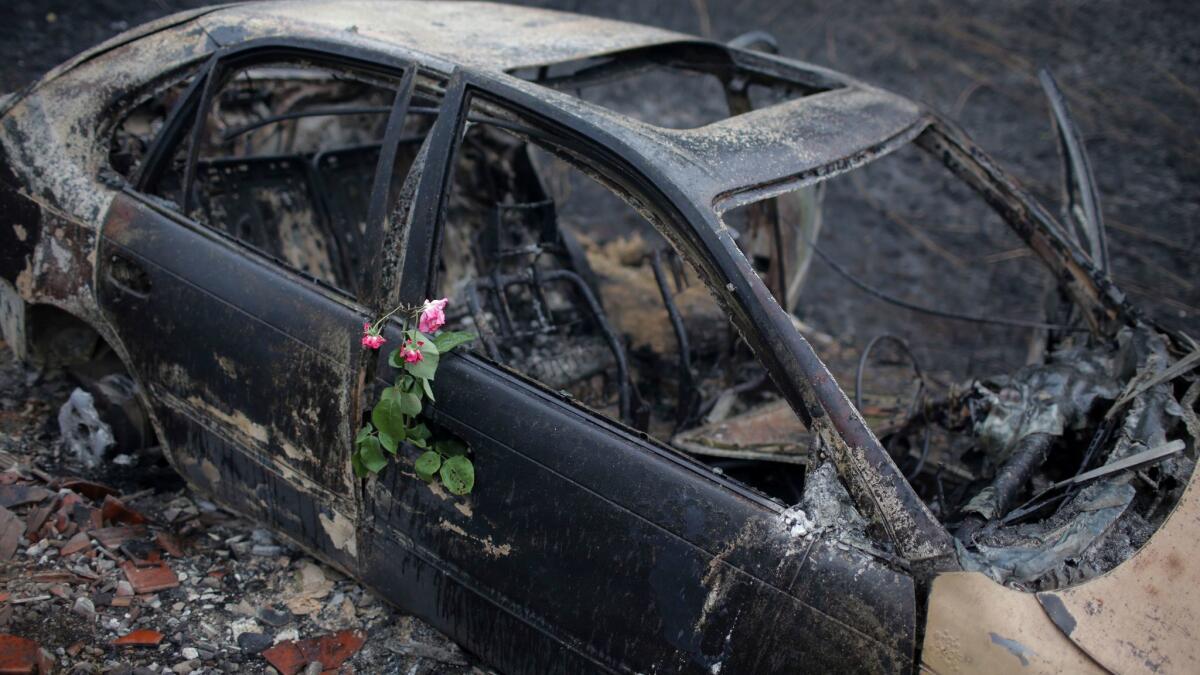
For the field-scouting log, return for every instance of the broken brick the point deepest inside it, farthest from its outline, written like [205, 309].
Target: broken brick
[114, 511]
[291, 656]
[16, 495]
[87, 488]
[114, 537]
[80, 542]
[151, 578]
[11, 532]
[140, 638]
[170, 543]
[38, 517]
[21, 655]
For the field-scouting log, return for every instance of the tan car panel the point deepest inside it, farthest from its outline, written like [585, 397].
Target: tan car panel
[1139, 617]
[976, 625]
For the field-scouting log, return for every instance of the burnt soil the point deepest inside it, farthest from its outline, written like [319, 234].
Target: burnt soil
[1130, 76]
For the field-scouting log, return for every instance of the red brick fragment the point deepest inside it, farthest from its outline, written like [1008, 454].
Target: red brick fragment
[80, 542]
[87, 488]
[114, 511]
[170, 543]
[140, 638]
[37, 518]
[16, 495]
[114, 537]
[12, 530]
[151, 578]
[291, 656]
[21, 655]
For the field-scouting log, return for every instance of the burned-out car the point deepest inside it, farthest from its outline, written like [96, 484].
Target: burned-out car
[668, 476]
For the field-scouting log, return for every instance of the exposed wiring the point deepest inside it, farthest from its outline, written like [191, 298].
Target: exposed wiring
[886, 297]
[917, 398]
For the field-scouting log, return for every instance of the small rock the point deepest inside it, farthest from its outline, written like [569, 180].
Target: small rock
[253, 643]
[314, 668]
[261, 536]
[85, 608]
[244, 626]
[274, 617]
[242, 607]
[124, 589]
[186, 667]
[266, 550]
[190, 653]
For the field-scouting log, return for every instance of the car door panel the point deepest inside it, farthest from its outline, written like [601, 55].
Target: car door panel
[620, 552]
[236, 353]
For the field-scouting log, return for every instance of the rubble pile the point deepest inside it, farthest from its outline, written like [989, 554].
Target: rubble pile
[125, 577]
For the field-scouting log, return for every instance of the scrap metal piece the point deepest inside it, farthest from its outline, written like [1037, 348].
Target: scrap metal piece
[1082, 207]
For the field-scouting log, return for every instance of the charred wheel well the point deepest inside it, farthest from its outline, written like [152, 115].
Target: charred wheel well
[55, 338]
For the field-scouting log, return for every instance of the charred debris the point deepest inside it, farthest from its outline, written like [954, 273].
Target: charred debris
[1040, 477]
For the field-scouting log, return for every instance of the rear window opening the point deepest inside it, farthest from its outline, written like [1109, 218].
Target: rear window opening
[674, 86]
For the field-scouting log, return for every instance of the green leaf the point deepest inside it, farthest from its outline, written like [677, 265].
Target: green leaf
[365, 431]
[410, 404]
[419, 431]
[429, 345]
[389, 392]
[451, 339]
[372, 455]
[360, 471]
[458, 475]
[388, 442]
[426, 367]
[450, 447]
[428, 389]
[427, 465]
[389, 418]
[395, 360]
[406, 382]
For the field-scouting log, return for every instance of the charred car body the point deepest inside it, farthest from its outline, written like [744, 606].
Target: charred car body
[218, 201]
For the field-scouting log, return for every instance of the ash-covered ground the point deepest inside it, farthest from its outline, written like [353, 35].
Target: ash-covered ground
[1130, 76]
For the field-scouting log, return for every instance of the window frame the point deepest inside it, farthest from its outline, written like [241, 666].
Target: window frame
[184, 125]
[419, 277]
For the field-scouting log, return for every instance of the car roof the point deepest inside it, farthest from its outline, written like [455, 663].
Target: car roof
[482, 35]
[731, 161]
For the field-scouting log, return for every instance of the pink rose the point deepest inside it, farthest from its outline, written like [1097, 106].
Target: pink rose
[411, 355]
[433, 315]
[371, 338]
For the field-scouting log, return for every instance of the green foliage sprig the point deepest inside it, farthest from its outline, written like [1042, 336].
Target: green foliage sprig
[395, 419]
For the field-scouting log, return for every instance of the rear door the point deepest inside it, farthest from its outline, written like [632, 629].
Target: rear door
[228, 284]
[585, 546]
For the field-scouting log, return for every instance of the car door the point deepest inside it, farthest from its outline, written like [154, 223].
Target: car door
[249, 356]
[587, 547]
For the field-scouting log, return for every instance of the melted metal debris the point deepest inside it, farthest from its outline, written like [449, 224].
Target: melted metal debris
[1087, 407]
